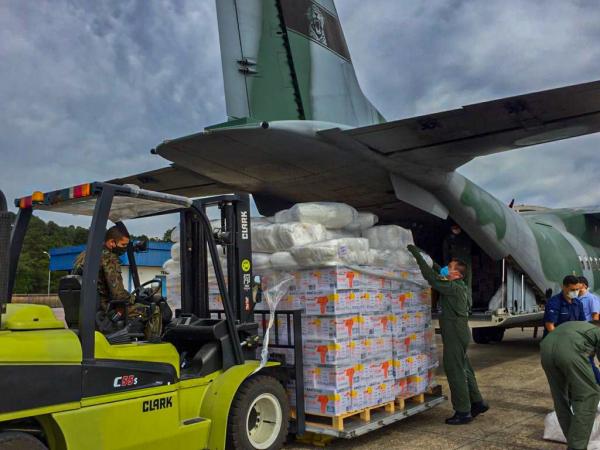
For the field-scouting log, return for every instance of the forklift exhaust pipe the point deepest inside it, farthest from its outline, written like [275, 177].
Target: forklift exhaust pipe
[5, 230]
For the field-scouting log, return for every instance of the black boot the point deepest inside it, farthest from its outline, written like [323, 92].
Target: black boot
[459, 418]
[479, 408]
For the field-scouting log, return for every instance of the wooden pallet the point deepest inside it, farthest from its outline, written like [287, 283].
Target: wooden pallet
[401, 401]
[337, 422]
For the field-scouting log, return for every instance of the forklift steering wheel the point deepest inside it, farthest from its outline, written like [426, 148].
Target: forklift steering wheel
[142, 295]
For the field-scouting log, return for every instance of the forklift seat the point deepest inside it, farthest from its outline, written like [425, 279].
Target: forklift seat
[69, 294]
[205, 340]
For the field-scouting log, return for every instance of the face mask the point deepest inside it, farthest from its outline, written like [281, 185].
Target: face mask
[444, 271]
[573, 294]
[119, 250]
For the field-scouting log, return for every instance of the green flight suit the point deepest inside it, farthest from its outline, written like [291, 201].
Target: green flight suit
[456, 335]
[565, 356]
[459, 246]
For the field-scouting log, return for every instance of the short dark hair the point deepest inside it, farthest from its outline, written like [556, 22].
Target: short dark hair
[461, 266]
[570, 279]
[116, 232]
[583, 280]
[595, 322]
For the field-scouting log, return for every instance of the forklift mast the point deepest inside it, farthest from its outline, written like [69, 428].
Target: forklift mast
[234, 236]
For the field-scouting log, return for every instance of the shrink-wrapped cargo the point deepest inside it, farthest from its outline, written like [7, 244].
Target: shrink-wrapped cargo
[329, 214]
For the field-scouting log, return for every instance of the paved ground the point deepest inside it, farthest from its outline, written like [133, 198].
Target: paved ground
[511, 379]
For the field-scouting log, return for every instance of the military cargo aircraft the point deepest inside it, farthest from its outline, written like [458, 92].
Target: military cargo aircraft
[300, 129]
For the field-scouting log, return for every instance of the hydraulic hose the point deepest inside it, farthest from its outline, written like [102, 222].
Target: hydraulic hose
[5, 230]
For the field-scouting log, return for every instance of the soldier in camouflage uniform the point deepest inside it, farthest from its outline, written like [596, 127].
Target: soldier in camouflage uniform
[110, 283]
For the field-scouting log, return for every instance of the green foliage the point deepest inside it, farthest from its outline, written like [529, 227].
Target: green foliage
[32, 272]
[167, 235]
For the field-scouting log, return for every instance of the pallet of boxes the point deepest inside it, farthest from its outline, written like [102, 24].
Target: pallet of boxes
[368, 344]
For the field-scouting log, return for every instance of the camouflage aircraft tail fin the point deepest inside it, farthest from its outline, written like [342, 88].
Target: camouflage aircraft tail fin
[288, 60]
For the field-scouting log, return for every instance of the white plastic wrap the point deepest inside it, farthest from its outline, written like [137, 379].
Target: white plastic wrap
[261, 261]
[171, 266]
[343, 233]
[175, 253]
[329, 214]
[283, 261]
[390, 258]
[271, 238]
[175, 235]
[335, 251]
[553, 432]
[275, 286]
[363, 221]
[388, 237]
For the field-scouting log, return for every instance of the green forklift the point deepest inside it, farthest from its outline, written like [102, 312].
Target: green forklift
[199, 387]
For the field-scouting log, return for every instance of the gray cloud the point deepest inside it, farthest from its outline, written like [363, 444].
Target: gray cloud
[88, 88]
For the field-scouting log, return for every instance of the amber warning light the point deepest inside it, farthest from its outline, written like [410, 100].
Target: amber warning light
[51, 198]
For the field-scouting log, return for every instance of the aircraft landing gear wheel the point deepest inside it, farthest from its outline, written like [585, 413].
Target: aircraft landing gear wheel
[481, 335]
[498, 335]
[12, 440]
[485, 335]
[259, 415]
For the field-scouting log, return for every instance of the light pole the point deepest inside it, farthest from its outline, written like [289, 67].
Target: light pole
[48, 255]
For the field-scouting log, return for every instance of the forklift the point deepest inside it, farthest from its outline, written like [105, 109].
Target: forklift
[198, 387]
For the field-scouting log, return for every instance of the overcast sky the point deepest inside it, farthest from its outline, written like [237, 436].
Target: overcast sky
[87, 88]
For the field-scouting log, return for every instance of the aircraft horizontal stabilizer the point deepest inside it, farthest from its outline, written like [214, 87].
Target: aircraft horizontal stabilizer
[449, 139]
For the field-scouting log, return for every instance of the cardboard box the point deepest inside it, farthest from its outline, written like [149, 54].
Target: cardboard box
[279, 333]
[339, 327]
[417, 384]
[330, 302]
[381, 368]
[400, 368]
[336, 376]
[373, 347]
[289, 302]
[375, 325]
[329, 278]
[378, 393]
[374, 301]
[379, 279]
[400, 387]
[215, 301]
[331, 351]
[331, 402]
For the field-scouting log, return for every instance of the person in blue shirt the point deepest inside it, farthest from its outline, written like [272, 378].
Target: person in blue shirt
[564, 306]
[591, 302]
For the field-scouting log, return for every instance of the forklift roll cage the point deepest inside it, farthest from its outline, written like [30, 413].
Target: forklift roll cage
[196, 236]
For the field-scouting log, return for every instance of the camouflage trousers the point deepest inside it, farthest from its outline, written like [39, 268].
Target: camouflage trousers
[148, 314]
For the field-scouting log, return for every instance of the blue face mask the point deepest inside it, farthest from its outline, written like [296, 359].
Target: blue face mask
[444, 271]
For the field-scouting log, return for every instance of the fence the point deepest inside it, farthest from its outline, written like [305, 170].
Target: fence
[38, 299]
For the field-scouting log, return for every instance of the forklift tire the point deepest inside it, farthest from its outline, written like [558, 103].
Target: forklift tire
[259, 415]
[12, 440]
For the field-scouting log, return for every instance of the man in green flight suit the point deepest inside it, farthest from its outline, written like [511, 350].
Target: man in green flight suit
[458, 245]
[455, 300]
[142, 318]
[575, 391]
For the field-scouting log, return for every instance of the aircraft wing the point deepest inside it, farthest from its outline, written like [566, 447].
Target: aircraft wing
[175, 180]
[449, 139]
